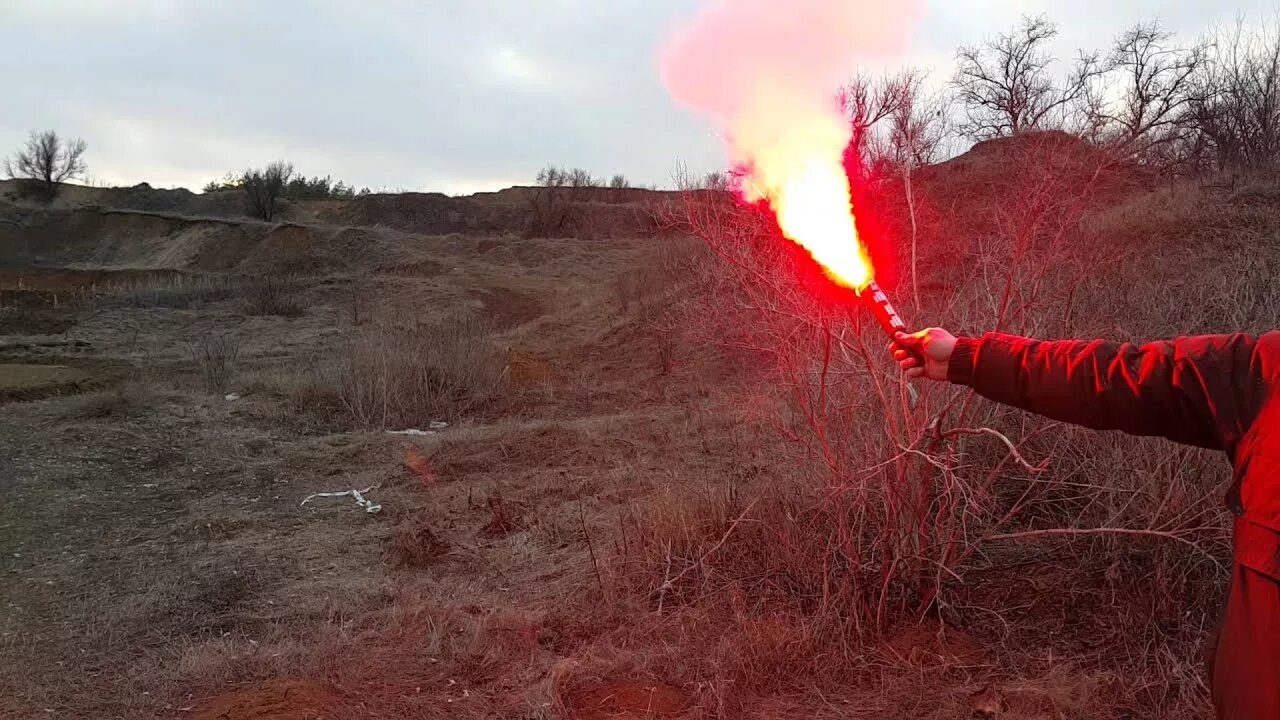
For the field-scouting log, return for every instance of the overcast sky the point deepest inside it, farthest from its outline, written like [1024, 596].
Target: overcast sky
[435, 95]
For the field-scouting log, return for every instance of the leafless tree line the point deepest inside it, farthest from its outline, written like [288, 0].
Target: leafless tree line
[1179, 108]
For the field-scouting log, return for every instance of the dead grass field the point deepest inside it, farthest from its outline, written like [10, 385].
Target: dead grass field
[608, 524]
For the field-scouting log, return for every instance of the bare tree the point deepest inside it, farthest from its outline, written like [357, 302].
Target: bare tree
[264, 188]
[618, 186]
[47, 159]
[1157, 83]
[1006, 84]
[1140, 102]
[868, 102]
[552, 199]
[1235, 100]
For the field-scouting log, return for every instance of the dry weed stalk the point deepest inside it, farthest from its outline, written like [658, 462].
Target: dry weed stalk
[409, 376]
[216, 357]
[273, 296]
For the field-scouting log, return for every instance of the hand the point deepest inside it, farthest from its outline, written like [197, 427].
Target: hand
[934, 345]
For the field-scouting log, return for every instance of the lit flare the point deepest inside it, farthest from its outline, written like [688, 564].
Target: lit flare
[792, 152]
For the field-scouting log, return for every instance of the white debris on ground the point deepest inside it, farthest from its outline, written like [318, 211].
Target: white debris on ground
[435, 426]
[359, 495]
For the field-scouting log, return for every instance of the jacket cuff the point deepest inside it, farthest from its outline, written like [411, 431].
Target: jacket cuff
[963, 358]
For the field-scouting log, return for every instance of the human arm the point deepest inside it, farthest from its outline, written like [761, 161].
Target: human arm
[1201, 390]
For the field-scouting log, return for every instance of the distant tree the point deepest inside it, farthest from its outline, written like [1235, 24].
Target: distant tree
[618, 186]
[1005, 85]
[230, 181]
[552, 202]
[718, 180]
[49, 160]
[579, 178]
[297, 187]
[264, 188]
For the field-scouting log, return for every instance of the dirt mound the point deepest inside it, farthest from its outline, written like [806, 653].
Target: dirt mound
[604, 213]
[991, 168]
[282, 699]
[122, 239]
[523, 194]
[628, 699]
[144, 198]
[428, 213]
[115, 239]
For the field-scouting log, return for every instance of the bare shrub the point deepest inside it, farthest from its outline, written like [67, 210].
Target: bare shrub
[618, 186]
[216, 357]
[553, 203]
[47, 160]
[869, 103]
[390, 376]
[273, 296]
[919, 131]
[873, 505]
[265, 188]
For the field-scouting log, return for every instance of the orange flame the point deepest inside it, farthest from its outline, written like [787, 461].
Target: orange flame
[765, 72]
[800, 173]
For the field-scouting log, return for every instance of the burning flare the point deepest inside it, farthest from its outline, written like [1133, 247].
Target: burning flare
[767, 72]
[800, 173]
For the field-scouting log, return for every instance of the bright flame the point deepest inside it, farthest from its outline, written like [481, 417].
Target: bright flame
[799, 171]
[767, 72]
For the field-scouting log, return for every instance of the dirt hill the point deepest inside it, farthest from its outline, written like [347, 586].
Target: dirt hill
[144, 227]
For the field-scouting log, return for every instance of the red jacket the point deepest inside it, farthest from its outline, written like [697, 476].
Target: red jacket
[1214, 391]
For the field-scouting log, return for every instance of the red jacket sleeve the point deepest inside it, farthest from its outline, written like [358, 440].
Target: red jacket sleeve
[1201, 391]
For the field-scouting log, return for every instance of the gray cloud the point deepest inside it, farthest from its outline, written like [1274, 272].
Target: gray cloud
[418, 94]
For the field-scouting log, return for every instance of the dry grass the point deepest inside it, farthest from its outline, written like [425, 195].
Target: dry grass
[392, 376]
[415, 544]
[272, 296]
[163, 290]
[128, 399]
